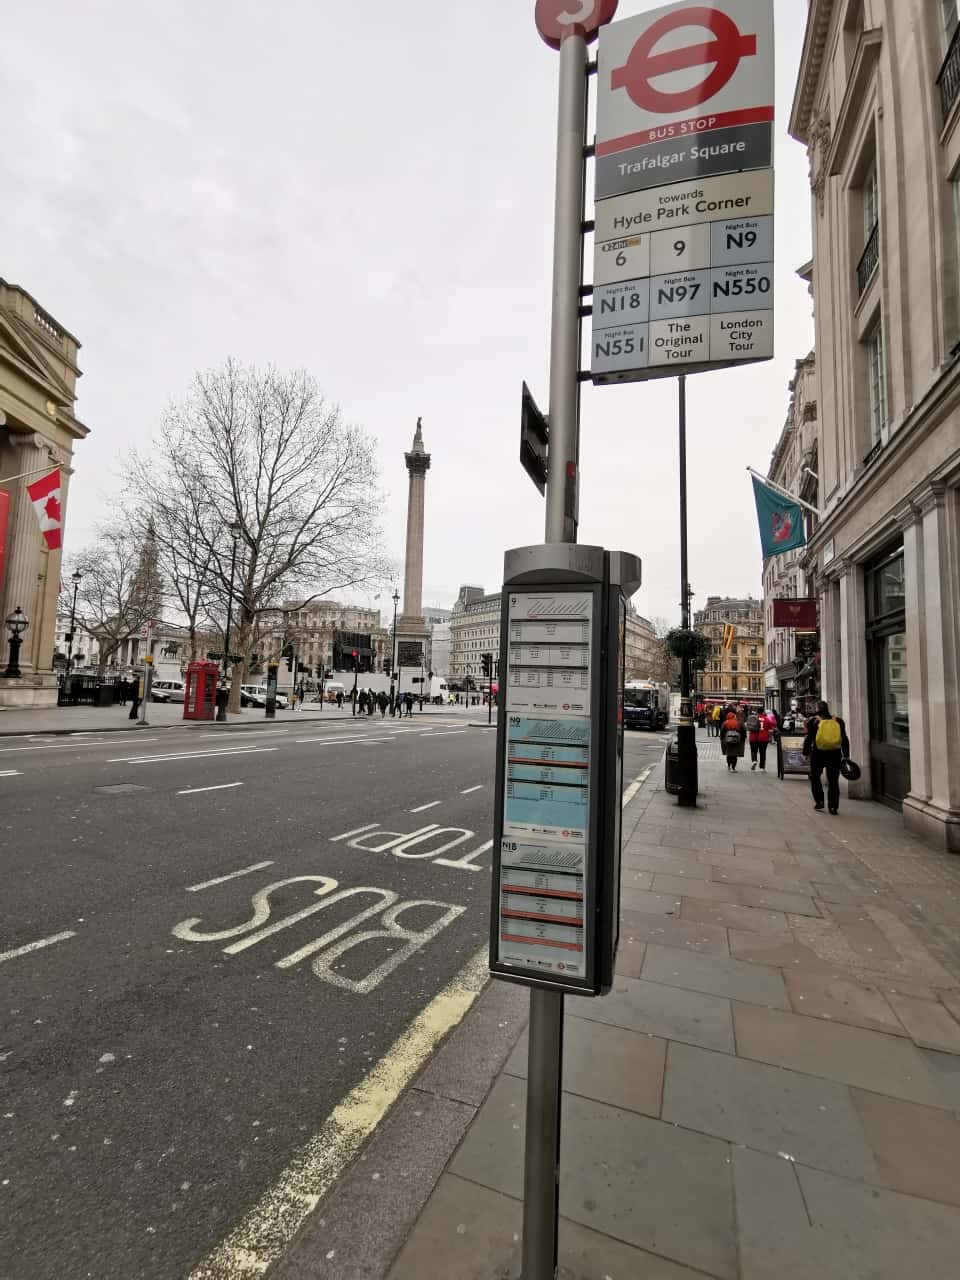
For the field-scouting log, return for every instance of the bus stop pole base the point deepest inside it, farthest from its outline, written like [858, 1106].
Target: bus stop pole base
[541, 1163]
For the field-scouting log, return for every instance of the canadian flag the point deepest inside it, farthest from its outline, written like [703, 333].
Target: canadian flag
[45, 496]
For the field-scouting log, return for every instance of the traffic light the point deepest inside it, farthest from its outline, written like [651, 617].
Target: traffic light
[319, 670]
[387, 666]
[354, 655]
[486, 662]
[287, 652]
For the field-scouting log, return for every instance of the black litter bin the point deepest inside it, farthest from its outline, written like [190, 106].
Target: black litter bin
[105, 695]
[671, 782]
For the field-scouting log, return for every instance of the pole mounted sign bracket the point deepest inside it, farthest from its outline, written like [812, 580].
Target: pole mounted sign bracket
[534, 439]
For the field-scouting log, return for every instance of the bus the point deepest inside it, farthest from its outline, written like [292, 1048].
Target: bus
[646, 705]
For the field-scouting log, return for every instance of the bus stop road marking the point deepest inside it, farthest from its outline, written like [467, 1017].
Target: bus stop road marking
[222, 786]
[635, 786]
[420, 807]
[264, 1234]
[191, 755]
[233, 875]
[467, 790]
[37, 946]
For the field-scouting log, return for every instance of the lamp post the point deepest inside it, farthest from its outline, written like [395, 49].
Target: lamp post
[17, 623]
[234, 537]
[393, 652]
[77, 578]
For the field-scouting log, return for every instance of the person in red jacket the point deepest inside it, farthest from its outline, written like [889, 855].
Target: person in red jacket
[760, 728]
[732, 737]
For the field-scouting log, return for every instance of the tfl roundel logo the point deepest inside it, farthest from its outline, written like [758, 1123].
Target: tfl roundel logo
[557, 19]
[719, 59]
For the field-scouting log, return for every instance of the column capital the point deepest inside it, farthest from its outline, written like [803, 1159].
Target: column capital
[907, 514]
[837, 568]
[934, 495]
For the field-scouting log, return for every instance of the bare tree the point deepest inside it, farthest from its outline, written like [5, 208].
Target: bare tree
[170, 504]
[287, 495]
[120, 591]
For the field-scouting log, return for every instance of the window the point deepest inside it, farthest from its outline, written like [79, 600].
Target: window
[877, 383]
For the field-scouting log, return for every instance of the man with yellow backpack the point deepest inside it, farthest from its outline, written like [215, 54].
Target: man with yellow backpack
[826, 745]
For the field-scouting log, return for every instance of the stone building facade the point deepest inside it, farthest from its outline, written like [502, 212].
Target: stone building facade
[794, 468]
[38, 429]
[735, 674]
[319, 632]
[877, 105]
[474, 630]
[643, 656]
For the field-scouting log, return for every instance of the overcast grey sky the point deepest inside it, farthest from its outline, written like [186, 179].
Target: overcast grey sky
[364, 189]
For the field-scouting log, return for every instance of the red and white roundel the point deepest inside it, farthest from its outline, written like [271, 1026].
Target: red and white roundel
[557, 19]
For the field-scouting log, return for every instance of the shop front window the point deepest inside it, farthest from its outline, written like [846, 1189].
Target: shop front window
[888, 676]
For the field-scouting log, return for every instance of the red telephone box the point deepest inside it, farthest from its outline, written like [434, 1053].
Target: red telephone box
[200, 693]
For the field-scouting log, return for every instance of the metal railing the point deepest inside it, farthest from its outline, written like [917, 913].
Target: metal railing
[948, 80]
[869, 259]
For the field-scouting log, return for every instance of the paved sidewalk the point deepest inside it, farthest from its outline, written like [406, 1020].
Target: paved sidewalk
[165, 715]
[771, 1091]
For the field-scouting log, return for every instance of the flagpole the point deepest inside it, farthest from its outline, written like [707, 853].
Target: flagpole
[784, 493]
[23, 474]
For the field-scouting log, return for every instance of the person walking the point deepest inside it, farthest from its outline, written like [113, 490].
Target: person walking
[339, 699]
[732, 738]
[826, 745]
[715, 717]
[382, 701]
[760, 727]
[371, 702]
[408, 703]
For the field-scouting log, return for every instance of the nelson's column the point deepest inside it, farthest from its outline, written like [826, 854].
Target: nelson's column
[413, 634]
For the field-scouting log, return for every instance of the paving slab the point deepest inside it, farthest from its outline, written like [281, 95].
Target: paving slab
[607, 1063]
[897, 1235]
[659, 1010]
[837, 997]
[621, 1174]
[767, 1108]
[696, 887]
[867, 1059]
[711, 939]
[656, 904]
[475, 1231]
[741, 874]
[731, 916]
[778, 900]
[928, 1023]
[630, 879]
[776, 1237]
[630, 952]
[715, 975]
[916, 1149]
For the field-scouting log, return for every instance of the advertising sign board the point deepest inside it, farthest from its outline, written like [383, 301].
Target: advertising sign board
[683, 259]
[799, 613]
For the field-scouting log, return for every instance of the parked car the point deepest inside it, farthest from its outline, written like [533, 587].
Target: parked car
[255, 695]
[167, 691]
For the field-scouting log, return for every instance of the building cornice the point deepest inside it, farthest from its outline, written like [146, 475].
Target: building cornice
[811, 67]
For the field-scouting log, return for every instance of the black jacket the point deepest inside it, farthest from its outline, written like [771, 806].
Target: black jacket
[810, 741]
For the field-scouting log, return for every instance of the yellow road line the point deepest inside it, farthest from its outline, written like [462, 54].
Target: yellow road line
[263, 1235]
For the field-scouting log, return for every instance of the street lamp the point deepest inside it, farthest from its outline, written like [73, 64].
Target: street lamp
[234, 537]
[17, 623]
[393, 652]
[77, 578]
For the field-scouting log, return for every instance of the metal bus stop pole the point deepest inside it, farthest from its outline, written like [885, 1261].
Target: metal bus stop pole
[545, 1062]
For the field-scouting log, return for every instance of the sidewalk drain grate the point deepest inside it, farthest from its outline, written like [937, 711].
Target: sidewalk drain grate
[121, 788]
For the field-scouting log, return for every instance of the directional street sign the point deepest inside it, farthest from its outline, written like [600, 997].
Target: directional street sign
[534, 438]
[683, 269]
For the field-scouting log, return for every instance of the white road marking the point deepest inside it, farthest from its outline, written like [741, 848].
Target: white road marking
[37, 946]
[467, 791]
[10, 773]
[244, 871]
[635, 786]
[223, 786]
[335, 742]
[420, 807]
[69, 746]
[355, 832]
[266, 1231]
[191, 755]
[447, 733]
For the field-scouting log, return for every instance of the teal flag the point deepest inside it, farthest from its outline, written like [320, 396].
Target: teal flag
[781, 521]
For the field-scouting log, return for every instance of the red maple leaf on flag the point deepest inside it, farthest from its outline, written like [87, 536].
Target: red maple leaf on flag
[52, 508]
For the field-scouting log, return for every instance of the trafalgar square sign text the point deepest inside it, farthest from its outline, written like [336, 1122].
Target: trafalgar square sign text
[683, 260]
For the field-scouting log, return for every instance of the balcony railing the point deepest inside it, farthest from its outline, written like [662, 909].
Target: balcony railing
[869, 259]
[949, 78]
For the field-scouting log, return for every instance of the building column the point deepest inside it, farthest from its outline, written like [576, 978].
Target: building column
[22, 579]
[936, 814]
[918, 686]
[855, 707]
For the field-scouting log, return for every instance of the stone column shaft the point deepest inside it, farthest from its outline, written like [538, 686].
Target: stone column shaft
[24, 548]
